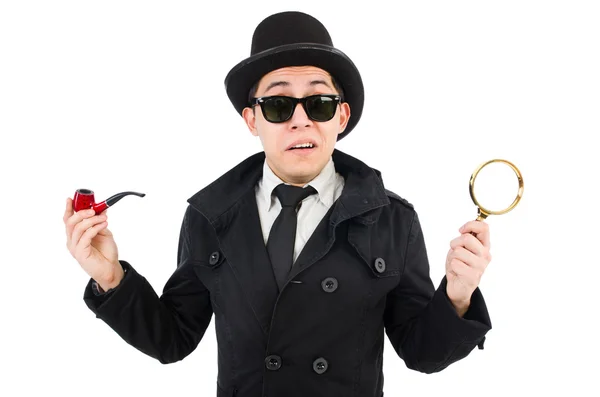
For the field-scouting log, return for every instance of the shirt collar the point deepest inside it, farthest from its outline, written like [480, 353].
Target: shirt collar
[324, 184]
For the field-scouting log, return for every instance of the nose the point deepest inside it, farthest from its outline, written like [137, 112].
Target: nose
[300, 118]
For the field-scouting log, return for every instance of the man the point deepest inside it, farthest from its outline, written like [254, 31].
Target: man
[299, 251]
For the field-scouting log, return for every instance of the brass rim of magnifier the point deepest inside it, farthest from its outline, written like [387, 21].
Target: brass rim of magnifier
[484, 212]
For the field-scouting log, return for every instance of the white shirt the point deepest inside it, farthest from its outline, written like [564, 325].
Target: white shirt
[328, 184]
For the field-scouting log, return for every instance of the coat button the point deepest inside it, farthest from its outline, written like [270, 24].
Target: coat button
[330, 284]
[273, 362]
[214, 258]
[380, 265]
[320, 365]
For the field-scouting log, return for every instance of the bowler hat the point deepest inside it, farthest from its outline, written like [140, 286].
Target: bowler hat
[294, 38]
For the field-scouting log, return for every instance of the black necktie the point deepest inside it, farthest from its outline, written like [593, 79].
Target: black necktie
[282, 236]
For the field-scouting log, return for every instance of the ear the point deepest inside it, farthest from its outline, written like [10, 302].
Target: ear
[250, 119]
[344, 116]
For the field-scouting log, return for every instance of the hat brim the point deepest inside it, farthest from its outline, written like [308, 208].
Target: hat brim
[245, 74]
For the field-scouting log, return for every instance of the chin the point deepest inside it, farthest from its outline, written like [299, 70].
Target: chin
[300, 167]
[304, 171]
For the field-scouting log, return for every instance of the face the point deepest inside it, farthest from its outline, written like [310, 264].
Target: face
[297, 166]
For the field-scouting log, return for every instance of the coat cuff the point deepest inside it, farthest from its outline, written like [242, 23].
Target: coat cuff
[95, 298]
[475, 323]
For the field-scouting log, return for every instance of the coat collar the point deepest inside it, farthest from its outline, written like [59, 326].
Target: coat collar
[363, 190]
[324, 184]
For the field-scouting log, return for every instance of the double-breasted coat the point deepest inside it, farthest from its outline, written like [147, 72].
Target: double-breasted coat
[363, 273]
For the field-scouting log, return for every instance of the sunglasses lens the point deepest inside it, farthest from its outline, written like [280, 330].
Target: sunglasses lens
[321, 108]
[278, 109]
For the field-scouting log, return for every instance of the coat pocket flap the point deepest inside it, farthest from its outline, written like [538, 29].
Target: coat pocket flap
[370, 248]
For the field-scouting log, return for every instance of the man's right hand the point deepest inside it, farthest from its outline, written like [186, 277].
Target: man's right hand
[93, 246]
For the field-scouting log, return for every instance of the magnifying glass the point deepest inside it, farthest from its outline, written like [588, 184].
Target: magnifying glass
[497, 189]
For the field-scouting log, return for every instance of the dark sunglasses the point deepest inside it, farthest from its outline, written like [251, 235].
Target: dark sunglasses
[279, 109]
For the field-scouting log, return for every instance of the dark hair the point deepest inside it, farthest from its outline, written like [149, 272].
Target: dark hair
[336, 85]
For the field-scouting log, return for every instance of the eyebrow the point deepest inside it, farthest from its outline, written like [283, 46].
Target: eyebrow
[282, 83]
[317, 82]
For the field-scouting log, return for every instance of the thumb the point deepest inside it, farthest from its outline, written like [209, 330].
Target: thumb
[69, 207]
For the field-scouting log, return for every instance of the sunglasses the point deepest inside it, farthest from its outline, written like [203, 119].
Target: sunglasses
[279, 109]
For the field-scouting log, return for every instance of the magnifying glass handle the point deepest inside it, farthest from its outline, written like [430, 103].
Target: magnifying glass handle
[480, 217]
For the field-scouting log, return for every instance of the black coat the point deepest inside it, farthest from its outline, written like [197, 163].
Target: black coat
[363, 271]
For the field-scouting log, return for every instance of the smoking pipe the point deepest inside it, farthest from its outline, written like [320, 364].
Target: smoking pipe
[84, 199]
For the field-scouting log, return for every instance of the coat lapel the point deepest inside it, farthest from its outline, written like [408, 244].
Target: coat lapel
[243, 245]
[362, 199]
[317, 245]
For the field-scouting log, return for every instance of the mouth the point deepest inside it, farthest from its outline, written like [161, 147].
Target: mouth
[305, 146]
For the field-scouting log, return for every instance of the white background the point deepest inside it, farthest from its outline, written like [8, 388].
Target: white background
[123, 95]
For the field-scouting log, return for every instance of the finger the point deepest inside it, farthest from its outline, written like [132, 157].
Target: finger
[468, 258]
[83, 226]
[104, 231]
[458, 267]
[88, 236]
[448, 257]
[480, 230]
[469, 242]
[68, 213]
[71, 218]
[465, 273]
[76, 218]
[68, 210]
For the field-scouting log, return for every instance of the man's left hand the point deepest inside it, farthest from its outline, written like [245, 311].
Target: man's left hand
[466, 262]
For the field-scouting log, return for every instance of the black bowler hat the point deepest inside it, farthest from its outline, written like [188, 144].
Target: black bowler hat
[294, 38]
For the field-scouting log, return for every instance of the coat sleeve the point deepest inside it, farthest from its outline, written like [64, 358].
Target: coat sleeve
[421, 322]
[168, 327]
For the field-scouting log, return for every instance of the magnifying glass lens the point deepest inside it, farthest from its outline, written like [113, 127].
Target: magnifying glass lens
[496, 186]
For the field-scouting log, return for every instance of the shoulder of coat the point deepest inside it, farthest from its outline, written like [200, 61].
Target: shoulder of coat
[403, 201]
